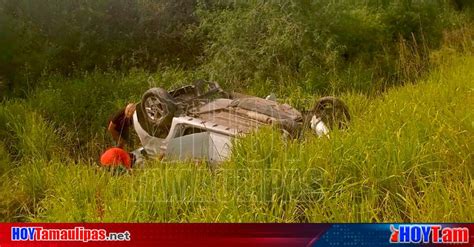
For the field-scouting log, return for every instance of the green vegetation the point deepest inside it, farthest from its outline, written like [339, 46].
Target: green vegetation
[406, 157]
[319, 46]
[403, 67]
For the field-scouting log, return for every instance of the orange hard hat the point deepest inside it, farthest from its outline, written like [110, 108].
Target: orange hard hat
[114, 157]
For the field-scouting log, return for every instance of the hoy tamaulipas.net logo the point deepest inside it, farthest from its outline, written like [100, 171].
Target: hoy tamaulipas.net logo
[74, 234]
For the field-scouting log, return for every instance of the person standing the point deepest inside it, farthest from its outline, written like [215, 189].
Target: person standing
[119, 125]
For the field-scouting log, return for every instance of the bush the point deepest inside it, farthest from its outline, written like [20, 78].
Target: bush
[66, 36]
[314, 44]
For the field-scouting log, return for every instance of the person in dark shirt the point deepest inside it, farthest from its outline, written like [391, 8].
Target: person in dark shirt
[120, 123]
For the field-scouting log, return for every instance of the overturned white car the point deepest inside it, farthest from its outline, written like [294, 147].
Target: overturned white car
[199, 121]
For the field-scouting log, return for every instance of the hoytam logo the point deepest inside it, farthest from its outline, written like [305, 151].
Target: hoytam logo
[435, 234]
[75, 234]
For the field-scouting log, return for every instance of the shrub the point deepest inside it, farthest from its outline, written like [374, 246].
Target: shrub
[313, 44]
[66, 36]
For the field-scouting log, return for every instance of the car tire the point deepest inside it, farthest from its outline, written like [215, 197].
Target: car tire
[332, 111]
[156, 112]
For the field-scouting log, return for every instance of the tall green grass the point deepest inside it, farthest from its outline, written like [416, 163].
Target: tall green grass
[27, 138]
[407, 156]
[26, 134]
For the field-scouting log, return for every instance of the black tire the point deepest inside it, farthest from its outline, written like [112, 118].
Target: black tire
[156, 111]
[332, 111]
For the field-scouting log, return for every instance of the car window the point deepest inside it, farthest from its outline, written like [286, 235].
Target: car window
[189, 146]
[192, 130]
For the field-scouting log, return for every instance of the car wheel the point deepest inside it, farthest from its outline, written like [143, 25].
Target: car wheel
[332, 111]
[157, 109]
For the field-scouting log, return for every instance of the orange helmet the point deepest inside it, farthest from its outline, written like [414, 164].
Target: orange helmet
[114, 157]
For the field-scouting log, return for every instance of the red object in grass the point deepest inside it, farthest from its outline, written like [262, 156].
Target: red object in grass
[114, 157]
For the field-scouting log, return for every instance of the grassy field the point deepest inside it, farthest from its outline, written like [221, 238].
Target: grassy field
[407, 156]
[403, 67]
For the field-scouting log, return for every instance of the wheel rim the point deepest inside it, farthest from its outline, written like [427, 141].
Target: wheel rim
[153, 108]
